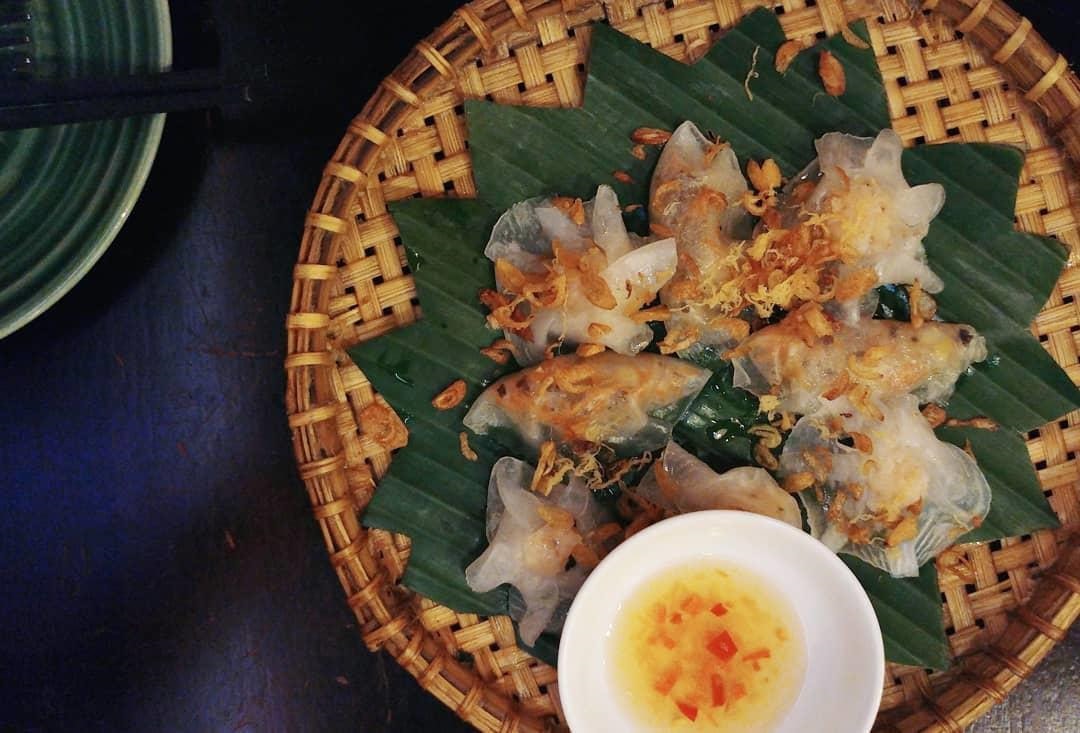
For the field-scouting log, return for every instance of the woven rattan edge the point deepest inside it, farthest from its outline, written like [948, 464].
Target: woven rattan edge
[319, 409]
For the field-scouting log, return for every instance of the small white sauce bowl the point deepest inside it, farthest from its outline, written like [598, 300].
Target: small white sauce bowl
[845, 657]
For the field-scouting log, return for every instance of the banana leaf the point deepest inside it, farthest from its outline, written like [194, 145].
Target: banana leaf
[437, 497]
[909, 613]
[996, 279]
[519, 152]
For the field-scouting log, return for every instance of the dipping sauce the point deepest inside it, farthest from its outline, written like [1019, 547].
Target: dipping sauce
[707, 647]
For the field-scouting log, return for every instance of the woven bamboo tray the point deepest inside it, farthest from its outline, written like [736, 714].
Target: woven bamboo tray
[963, 70]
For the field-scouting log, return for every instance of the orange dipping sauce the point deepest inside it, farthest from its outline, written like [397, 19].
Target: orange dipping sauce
[708, 647]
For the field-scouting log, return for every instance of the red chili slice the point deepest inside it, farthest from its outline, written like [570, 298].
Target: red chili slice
[738, 691]
[718, 695]
[723, 646]
[667, 679]
[692, 604]
[688, 710]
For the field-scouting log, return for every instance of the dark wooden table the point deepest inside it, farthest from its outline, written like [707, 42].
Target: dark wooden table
[159, 567]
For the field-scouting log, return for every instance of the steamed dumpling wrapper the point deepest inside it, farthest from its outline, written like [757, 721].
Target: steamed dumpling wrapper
[692, 175]
[679, 482]
[569, 272]
[695, 195]
[628, 403]
[886, 491]
[807, 357]
[882, 219]
[847, 225]
[875, 219]
[530, 539]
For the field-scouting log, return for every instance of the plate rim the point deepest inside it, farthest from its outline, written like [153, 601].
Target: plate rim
[37, 303]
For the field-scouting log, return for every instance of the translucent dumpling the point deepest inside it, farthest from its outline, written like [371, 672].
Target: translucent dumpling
[696, 195]
[530, 539]
[569, 272]
[877, 220]
[806, 357]
[627, 403]
[679, 482]
[691, 176]
[886, 491]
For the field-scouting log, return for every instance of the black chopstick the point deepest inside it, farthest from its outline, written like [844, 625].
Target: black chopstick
[42, 102]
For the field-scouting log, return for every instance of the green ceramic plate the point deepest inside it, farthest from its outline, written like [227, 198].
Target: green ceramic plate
[65, 191]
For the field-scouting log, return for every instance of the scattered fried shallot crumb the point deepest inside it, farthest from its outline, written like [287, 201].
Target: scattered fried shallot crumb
[450, 397]
[770, 437]
[862, 442]
[786, 54]
[550, 469]
[596, 288]
[737, 328]
[914, 301]
[677, 340]
[555, 516]
[802, 191]
[979, 423]
[496, 354]
[585, 556]
[839, 386]
[602, 534]
[754, 203]
[832, 74]
[765, 457]
[466, 449]
[796, 482]
[764, 176]
[855, 283]
[622, 177]
[638, 151]
[573, 208]
[656, 313]
[595, 477]
[639, 523]
[650, 136]
[660, 230]
[380, 423]
[902, 532]
[784, 421]
[853, 38]
[585, 350]
[598, 330]
[921, 304]
[934, 415]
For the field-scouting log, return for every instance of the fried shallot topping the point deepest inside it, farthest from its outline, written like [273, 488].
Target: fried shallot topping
[787, 53]
[380, 423]
[450, 397]
[832, 74]
[551, 469]
[650, 136]
[465, 448]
